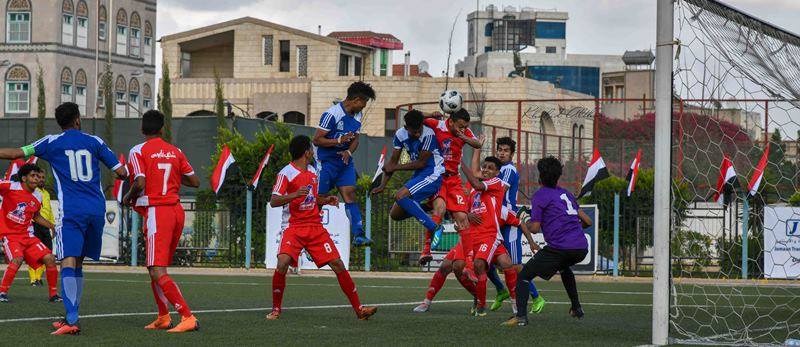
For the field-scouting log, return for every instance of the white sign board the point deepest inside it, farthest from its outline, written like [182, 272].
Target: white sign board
[782, 242]
[111, 228]
[334, 220]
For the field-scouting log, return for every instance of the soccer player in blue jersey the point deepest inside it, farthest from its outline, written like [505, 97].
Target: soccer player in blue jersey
[335, 140]
[512, 236]
[75, 158]
[428, 166]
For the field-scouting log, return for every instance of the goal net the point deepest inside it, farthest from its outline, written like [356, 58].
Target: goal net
[735, 256]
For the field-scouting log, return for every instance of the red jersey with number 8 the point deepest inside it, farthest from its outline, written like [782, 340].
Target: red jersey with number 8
[163, 165]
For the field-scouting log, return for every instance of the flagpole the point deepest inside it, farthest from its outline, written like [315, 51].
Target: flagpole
[745, 243]
[134, 238]
[368, 250]
[616, 235]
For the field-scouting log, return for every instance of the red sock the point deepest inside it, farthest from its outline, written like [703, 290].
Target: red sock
[427, 247]
[466, 244]
[161, 300]
[278, 286]
[8, 277]
[349, 289]
[467, 284]
[52, 279]
[511, 281]
[436, 284]
[481, 290]
[173, 294]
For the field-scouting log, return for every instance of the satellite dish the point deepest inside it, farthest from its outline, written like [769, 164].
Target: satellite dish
[423, 66]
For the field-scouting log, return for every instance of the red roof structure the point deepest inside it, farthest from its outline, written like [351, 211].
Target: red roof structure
[368, 38]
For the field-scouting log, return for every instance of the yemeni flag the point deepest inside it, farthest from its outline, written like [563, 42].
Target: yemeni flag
[755, 181]
[120, 186]
[596, 173]
[726, 182]
[633, 173]
[224, 164]
[376, 180]
[257, 176]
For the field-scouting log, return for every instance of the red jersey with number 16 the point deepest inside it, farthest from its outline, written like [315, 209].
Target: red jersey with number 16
[18, 208]
[302, 211]
[162, 165]
[450, 145]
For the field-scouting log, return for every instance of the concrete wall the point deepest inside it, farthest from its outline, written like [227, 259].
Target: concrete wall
[205, 61]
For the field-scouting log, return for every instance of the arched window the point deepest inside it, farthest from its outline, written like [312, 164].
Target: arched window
[18, 95]
[18, 21]
[294, 117]
[148, 43]
[120, 97]
[136, 34]
[80, 90]
[122, 32]
[67, 23]
[82, 21]
[147, 98]
[133, 96]
[66, 85]
[102, 23]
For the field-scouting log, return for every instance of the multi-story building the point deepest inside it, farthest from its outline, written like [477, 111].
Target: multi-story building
[636, 81]
[70, 41]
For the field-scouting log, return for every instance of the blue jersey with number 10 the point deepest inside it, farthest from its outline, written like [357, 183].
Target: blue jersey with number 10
[75, 158]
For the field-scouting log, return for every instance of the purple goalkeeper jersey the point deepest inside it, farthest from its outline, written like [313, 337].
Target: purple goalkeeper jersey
[557, 210]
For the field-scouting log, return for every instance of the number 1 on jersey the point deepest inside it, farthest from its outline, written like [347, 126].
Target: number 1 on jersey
[167, 169]
[570, 210]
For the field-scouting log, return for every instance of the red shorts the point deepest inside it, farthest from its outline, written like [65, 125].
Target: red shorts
[26, 246]
[452, 191]
[486, 248]
[314, 238]
[163, 226]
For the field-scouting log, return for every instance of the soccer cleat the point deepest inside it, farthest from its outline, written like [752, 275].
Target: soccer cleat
[186, 325]
[274, 315]
[480, 312]
[537, 305]
[59, 323]
[366, 312]
[498, 300]
[362, 241]
[515, 321]
[425, 258]
[161, 323]
[3, 297]
[422, 308]
[437, 237]
[55, 298]
[67, 329]
[474, 306]
[35, 284]
[39, 283]
[576, 312]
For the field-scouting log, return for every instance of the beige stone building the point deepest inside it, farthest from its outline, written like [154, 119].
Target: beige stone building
[71, 41]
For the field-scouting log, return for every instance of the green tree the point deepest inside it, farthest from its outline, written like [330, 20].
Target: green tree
[779, 173]
[108, 97]
[41, 105]
[219, 101]
[165, 102]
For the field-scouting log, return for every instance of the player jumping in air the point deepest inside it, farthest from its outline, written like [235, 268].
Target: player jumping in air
[336, 139]
[20, 208]
[296, 190]
[75, 158]
[426, 162]
[159, 169]
[554, 212]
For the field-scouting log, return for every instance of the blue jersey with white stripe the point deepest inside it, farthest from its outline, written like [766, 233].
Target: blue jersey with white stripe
[337, 122]
[426, 142]
[75, 158]
[509, 175]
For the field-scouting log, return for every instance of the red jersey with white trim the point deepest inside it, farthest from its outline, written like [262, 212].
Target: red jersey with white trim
[162, 165]
[509, 217]
[18, 208]
[450, 146]
[487, 204]
[302, 211]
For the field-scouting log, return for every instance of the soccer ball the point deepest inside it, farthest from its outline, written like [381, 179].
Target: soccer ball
[450, 101]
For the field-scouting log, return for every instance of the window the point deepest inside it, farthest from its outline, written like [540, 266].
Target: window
[550, 50]
[487, 30]
[148, 50]
[66, 92]
[384, 62]
[186, 64]
[284, 66]
[83, 32]
[80, 98]
[357, 66]
[487, 49]
[133, 101]
[267, 46]
[18, 27]
[302, 61]
[136, 36]
[390, 124]
[67, 37]
[551, 30]
[121, 106]
[122, 40]
[146, 104]
[101, 31]
[17, 97]
[344, 64]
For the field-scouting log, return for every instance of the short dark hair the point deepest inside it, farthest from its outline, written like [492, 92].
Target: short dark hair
[461, 114]
[152, 122]
[66, 114]
[299, 145]
[360, 90]
[494, 160]
[26, 169]
[549, 171]
[413, 119]
[505, 140]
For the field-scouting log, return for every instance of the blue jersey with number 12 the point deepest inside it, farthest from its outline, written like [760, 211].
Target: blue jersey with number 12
[75, 158]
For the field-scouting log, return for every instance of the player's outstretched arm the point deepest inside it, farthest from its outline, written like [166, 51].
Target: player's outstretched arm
[474, 142]
[280, 200]
[528, 236]
[325, 199]
[136, 188]
[416, 164]
[534, 227]
[320, 140]
[190, 181]
[585, 220]
[38, 219]
[11, 153]
[472, 179]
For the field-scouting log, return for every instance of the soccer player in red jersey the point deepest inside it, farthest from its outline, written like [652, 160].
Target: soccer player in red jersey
[296, 190]
[19, 209]
[159, 169]
[452, 134]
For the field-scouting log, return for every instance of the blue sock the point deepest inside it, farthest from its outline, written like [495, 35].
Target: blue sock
[354, 214]
[534, 292]
[413, 208]
[69, 293]
[79, 281]
[492, 274]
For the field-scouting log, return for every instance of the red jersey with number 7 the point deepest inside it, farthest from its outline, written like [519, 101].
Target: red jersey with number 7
[302, 211]
[162, 165]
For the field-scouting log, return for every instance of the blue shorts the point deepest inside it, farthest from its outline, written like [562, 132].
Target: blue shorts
[80, 236]
[424, 187]
[335, 173]
[512, 241]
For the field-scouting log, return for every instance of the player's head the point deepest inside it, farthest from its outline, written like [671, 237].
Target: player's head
[152, 122]
[358, 94]
[505, 149]
[42, 179]
[413, 123]
[300, 147]
[68, 116]
[549, 171]
[459, 121]
[490, 167]
[30, 175]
